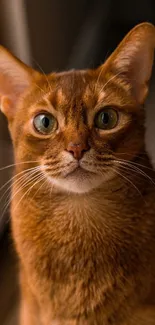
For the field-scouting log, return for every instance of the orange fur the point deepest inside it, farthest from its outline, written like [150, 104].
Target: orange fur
[84, 229]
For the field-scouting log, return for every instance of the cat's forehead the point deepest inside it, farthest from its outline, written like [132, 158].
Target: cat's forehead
[72, 88]
[69, 92]
[75, 91]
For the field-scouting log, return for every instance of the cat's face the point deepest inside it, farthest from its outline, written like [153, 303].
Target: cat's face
[78, 125]
[75, 126]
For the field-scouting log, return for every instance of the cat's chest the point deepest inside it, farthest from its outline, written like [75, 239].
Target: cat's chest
[79, 249]
[69, 236]
[71, 228]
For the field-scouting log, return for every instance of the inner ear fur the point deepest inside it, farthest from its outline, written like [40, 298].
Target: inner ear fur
[15, 78]
[132, 61]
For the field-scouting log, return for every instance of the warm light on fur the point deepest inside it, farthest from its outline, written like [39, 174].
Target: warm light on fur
[83, 207]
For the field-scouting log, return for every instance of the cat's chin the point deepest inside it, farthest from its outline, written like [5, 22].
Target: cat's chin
[79, 181]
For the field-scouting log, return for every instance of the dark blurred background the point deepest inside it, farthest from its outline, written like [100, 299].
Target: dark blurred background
[53, 35]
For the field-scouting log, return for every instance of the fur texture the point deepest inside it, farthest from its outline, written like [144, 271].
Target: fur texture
[83, 198]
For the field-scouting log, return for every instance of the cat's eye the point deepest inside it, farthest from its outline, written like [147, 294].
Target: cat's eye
[45, 123]
[106, 119]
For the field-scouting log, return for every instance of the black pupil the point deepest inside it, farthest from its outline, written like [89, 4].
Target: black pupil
[105, 118]
[45, 122]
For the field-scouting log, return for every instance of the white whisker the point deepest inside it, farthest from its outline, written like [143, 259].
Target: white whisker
[113, 77]
[137, 164]
[128, 180]
[18, 190]
[135, 168]
[16, 164]
[29, 172]
[15, 176]
[29, 189]
[44, 74]
[97, 82]
[46, 180]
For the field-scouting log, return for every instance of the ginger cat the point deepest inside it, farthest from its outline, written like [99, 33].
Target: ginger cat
[83, 196]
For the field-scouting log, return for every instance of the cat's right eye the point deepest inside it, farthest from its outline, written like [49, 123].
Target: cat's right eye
[106, 119]
[45, 123]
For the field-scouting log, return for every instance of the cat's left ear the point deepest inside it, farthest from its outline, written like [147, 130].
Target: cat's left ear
[132, 60]
[15, 78]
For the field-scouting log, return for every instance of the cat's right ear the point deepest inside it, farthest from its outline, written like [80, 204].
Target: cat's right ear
[15, 78]
[132, 61]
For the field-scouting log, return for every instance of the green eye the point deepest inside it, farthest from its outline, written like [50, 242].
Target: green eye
[106, 119]
[45, 123]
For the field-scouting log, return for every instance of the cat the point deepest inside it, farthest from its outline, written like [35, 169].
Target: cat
[83, 195]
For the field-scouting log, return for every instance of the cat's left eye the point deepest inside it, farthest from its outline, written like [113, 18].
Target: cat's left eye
[106, 119]
[45, 123]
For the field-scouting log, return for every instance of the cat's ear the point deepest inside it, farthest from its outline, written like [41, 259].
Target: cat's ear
[15, 78]
[132, 60]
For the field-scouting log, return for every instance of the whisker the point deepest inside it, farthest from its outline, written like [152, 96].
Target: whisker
[133, 155]
[134, 163]
[97, 82]
[141, 153]
[16, 164]
[18, 182]
[133, 167]
[12, 178]
[50, 88]
[18, 190]
[9, 199]
[113, 77]
[43, 91]
[129, 169]
[136, 169]
[40, 187]
[128, 180]
[29, 189]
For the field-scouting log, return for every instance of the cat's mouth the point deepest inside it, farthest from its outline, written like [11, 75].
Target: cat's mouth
[78, 179]
[79, 172]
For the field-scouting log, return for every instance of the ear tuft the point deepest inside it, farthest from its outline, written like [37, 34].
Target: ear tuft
[133, 59]
[15, 78]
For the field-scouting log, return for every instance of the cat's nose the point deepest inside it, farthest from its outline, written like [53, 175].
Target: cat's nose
[77, 149]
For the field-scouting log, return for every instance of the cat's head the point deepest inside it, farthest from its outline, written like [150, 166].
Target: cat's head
[76, 125]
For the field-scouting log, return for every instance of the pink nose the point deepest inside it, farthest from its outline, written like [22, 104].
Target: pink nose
[77, 149]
